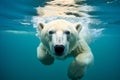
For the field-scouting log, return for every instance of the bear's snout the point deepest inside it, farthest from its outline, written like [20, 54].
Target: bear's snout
[59, 49]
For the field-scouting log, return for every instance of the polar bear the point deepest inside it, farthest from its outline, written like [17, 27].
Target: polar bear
[60, 40]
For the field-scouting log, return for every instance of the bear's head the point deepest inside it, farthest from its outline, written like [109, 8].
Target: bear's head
[59, 37]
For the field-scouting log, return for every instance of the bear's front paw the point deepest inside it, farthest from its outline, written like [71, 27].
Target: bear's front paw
[75, 71]
[47, 61]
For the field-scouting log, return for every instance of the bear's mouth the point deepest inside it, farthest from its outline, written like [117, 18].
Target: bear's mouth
[59, 49]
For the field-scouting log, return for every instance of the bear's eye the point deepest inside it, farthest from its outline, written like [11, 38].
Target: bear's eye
[67, 32]
[51, 32]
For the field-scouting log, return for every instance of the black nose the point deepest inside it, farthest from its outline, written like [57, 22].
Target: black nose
[59, 49]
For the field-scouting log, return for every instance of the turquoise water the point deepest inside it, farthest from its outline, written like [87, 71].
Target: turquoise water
[18, 43]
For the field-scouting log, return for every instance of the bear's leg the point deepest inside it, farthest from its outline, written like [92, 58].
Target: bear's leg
[43, 56]
[76, 71]
[83, 58]
[78, 67]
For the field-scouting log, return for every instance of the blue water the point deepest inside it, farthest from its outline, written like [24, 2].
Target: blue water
[18, 43]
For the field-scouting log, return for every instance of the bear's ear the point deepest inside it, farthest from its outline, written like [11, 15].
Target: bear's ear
[40, 26]
[78, 27]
